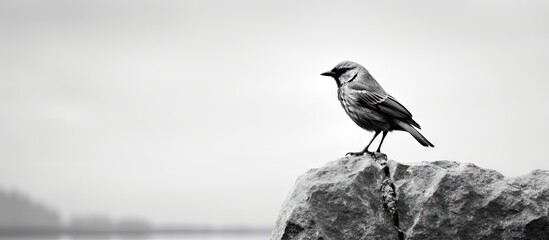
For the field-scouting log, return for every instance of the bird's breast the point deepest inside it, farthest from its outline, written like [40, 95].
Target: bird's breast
[364, 117]
[349, 104]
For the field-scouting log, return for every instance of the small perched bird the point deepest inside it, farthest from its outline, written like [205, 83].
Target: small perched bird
[369, 106]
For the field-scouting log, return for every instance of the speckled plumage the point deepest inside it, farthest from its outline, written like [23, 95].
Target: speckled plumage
[364, 117]
[369, 106]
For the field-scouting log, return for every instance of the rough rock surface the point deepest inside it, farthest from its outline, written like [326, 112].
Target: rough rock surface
[434, 200]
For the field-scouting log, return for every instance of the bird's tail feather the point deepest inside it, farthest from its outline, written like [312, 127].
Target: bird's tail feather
[415, 133]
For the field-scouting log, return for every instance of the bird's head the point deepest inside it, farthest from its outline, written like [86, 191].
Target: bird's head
[344, 72]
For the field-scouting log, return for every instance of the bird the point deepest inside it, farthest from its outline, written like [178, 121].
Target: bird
[370, 106]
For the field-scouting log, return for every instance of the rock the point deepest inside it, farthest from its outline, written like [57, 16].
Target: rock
[349, 199]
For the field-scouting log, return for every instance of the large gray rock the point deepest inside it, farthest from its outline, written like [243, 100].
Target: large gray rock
[436, 200]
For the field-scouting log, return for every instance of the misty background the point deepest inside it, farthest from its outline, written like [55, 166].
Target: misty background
[205, 112]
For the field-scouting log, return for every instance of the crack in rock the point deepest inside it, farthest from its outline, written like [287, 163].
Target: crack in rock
[388, 193]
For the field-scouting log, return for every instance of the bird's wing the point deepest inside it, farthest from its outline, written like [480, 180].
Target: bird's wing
[368, 98]
[367, 93]
[385, 104]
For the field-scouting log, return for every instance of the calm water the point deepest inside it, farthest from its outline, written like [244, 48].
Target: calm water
[153, 237]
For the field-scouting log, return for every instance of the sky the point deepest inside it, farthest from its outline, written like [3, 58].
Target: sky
[205, 112]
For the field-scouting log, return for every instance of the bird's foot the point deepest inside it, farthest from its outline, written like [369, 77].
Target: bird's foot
[354, 154]
[379, 153]
[375, 155]
[379, 156]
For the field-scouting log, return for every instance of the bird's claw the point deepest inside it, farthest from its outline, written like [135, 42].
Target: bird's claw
[355, 154]
[379, 155]
[372, 155]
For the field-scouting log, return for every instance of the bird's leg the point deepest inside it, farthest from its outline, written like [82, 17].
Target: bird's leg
[365, 149]
[382, 138]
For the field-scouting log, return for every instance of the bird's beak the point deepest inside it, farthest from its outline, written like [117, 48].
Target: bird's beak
[328, 73]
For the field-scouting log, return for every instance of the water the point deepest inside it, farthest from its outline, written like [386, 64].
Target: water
[153, 237]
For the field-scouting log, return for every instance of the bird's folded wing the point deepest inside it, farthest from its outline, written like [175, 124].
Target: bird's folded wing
[385, 104]
[392, 107]
[369, 98]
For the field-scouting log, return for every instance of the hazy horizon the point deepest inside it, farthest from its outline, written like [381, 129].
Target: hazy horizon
[207, 111]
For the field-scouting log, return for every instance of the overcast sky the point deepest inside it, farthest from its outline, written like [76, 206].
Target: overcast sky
[207, 111]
